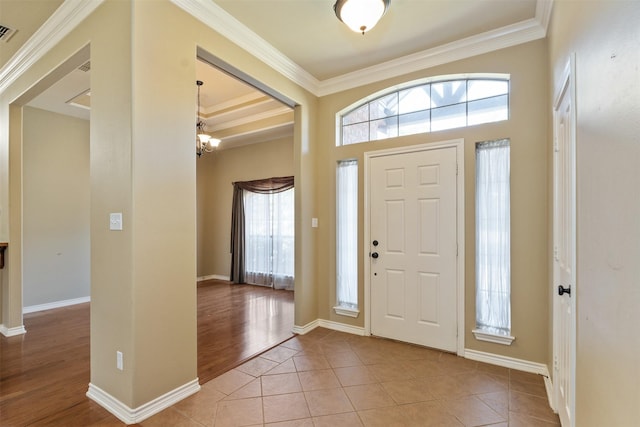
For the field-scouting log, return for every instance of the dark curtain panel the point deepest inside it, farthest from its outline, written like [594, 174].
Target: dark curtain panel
[262, 186]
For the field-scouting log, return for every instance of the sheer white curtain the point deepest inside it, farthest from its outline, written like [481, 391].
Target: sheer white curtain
[347, 234]
[493, 237]
[269, 239]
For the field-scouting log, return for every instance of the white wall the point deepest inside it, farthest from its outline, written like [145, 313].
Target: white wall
[56, 208]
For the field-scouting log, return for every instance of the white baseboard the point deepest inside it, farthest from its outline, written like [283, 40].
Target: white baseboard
[12, 332]
[301, 330]
[55, 304]
[507, 362]
[342, 327]
[329, 324]
[133, 416]
[548, 386]
[214, 276]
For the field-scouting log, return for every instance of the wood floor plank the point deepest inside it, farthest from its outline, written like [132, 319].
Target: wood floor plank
[44, 374]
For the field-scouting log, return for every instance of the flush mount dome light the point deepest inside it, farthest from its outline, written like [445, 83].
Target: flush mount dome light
[360, 15]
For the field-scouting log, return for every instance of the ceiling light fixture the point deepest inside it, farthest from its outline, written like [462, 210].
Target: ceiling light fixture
[360, 15]
[204, 142]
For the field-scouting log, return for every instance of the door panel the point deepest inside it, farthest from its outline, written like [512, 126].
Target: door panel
[564, 256]
[413, 213]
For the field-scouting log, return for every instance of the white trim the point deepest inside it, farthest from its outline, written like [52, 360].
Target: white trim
[60, 24]
[222, 22]
[55, 304]
[301, 330]
[141, 413]
[12, 332]
[345, 311]
[494, 338]
[458, 144]
[213, 276]
[342, 327]
[548, 387]
[329, 324]
[507, 362]
[508, 36]
[72, 12]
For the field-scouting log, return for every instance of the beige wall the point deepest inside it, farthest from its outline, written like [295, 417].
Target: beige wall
[56, 208]
[215, 173]
[527, 129]
[143, 278]
[604, 37]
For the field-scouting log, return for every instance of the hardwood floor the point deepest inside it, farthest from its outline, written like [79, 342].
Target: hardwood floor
[44, 374]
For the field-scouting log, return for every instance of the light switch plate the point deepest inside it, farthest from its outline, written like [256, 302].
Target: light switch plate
[115, 221]
[314, 222]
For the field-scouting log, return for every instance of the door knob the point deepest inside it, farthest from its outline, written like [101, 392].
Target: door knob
[562, 291]
[374, 255]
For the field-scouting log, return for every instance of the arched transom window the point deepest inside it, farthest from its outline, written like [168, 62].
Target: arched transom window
[418, 107]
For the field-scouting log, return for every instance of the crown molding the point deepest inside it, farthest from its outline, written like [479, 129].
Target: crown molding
[72, 12]
[60, 23]
[222, 22]
[510, 35]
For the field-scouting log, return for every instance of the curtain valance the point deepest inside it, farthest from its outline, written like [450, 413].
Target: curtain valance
[266, 186]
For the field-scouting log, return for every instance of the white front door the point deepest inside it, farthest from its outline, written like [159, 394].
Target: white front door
[413, 270]
[564, 253]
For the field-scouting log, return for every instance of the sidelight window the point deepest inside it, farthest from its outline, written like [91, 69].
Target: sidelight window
[347, 238]
[493, 242]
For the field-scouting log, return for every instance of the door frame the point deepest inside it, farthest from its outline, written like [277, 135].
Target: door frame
[458, 144]
[567, 88]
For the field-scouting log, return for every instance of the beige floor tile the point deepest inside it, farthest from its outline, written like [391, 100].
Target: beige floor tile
[428, 414]
[257, 366]
[534, 406]
[368, 396]
[280, 384]
[424, 368]
[318, 380]
[327, 402]
[343, 359]
[253, 389]
[383, 417]
[534, 388]
[230, 381]
[279, 354]
[370, 356]
[355, 375]
[200, 407]
[523, 420]
[446, 387]
[477, 382]
[334, 347]
[408, 391]
[451, 364]
[499, 402]
[285, 407]
[391, 371]
[305, 422]
[310, 362]
[299, 343]
[526, 377]
[471, 411]
[170, 417]
[243, 412]
[285, 367]
[349, 419]
[492, 369]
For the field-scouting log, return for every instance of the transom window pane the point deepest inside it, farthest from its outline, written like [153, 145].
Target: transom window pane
[427, 107]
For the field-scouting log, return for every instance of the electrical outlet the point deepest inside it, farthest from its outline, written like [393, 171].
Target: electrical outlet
[119, 361]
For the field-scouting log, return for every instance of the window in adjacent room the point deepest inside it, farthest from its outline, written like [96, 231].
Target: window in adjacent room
[347, 238]
[493, 243]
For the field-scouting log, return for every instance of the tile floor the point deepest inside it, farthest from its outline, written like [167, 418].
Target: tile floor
[328, 378]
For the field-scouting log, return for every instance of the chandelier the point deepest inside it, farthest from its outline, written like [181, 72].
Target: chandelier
[205, 143]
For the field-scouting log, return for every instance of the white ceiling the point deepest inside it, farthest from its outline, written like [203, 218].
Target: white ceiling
[309, 33]
[305, 40]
